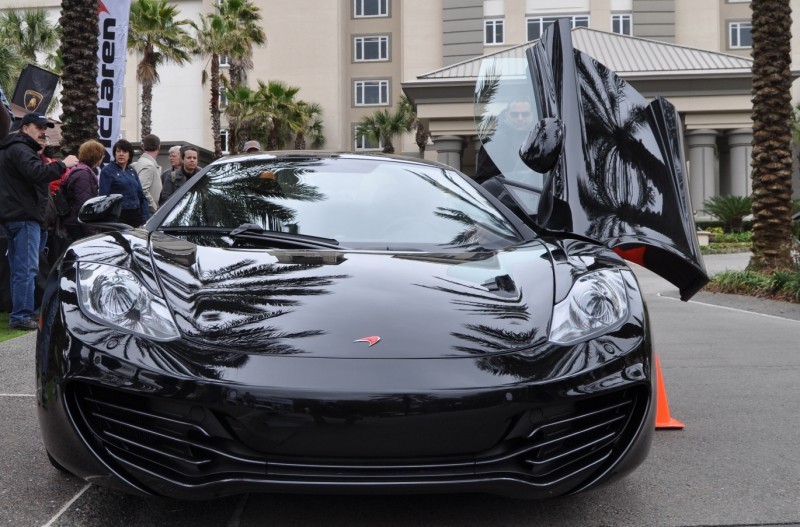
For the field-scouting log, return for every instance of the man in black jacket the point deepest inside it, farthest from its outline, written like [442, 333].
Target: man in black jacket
[24, 179]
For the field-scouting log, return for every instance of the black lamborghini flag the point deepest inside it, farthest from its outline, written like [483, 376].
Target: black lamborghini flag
[35, 89]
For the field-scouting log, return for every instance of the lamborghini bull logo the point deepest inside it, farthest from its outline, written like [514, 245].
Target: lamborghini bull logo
[33, 99]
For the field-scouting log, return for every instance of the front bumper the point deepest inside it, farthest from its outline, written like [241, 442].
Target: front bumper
[147, 432]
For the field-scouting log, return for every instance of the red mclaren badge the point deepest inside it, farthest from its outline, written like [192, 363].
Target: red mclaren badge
[372, 340]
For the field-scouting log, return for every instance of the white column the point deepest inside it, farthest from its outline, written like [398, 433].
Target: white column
[449, 149]
[703, 175]
[740, 144]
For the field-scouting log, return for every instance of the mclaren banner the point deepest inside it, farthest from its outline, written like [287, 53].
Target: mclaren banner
[113, 18]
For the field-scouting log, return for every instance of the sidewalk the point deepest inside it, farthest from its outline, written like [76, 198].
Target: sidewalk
[717, 263]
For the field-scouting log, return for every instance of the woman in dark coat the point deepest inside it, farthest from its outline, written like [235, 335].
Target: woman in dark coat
[80, 184]
[119, 177]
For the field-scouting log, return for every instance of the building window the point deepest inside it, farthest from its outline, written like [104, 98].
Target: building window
[223, 141]
[537, 24]
[493, 31]
[740, 35]
[362, 143]
[370, 8]
[371, 48]
[622, 24]
[372, 93]
[224, 61]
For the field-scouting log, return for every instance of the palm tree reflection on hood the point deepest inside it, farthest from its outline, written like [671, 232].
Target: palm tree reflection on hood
[228, 307]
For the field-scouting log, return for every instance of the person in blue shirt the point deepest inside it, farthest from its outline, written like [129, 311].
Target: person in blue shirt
[119, 177]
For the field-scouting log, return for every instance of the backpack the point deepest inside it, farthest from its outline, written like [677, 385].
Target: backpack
[59, 199]
[60, 202]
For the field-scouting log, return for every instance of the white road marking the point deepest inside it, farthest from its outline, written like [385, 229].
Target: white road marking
[731, 309]
[66, 506]
[16, 395]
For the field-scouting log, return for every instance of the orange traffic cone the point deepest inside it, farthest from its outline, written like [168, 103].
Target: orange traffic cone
[664, 421]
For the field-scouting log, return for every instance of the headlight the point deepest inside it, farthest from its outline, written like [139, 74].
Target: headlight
[115, 296]
[596, 302]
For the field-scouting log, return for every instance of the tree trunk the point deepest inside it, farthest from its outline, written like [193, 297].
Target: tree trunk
[215, 126]
[79, 96]
[421, 138]
[233, 136]
[235, 72]
[272, 138]
[772, 155]
[147, 108]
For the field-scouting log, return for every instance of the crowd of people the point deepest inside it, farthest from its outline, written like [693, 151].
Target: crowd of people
[30, 178]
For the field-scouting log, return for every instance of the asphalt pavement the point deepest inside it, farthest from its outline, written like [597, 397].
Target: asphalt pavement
[732, 371]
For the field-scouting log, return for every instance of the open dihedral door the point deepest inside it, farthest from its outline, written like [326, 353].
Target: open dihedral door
[619, 178]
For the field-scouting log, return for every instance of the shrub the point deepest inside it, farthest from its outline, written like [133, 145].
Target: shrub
[734, 237]
[782, 285]
[730, 210]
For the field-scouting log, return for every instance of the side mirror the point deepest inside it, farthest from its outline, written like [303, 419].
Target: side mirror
[541, 149]
[101, 209]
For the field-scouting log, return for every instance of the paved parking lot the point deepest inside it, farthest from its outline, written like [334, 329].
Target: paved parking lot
[732, 375]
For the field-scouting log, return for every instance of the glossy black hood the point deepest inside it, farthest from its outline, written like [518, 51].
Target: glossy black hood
[615, 173]
[319, 303]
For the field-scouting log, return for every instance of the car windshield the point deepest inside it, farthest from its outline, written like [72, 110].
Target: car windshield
[362, 203]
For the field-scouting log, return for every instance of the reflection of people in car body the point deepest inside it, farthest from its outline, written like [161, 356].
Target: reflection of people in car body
[515, 122]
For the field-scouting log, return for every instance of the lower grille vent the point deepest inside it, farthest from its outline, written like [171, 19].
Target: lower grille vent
[167, 442]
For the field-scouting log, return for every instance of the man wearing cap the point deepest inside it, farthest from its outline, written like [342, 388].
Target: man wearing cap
[24, 180]
[252, 146]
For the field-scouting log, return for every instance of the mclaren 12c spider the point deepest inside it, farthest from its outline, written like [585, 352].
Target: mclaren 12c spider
[317, 322]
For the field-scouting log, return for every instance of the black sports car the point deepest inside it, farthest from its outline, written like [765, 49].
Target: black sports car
[309, 322]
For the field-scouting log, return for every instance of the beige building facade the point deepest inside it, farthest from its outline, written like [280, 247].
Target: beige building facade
[354, 57]
[357, 56]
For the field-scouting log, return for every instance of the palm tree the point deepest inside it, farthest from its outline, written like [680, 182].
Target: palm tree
[246, 21]
[156, 35]
[312, 130]
[272, 114]
[771, 156]
[243, 116]
[212, 40]
[280, 109]
[79, 77]
[24, 36]
[32, 33]
[422, 134]
[730, 210]
[10, 65]
[383, 126]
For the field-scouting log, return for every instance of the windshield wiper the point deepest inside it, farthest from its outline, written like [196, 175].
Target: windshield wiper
[255, 233]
